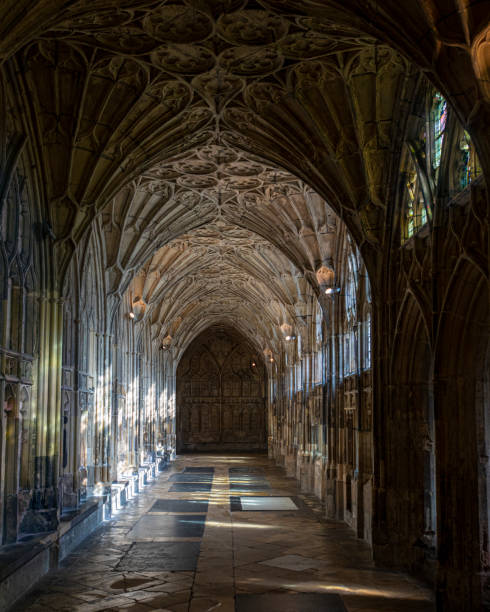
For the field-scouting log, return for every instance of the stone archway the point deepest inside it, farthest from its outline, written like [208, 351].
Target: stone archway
[462, 415]
[410, 435]
[221, 394]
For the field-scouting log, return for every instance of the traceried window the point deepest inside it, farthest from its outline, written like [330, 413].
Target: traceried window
[438, 160]
[298, 378]
[351, 314]
[318, 368]
[466, 162]
[347, 355]
[366, 325]
[414, 205]
[318, 326]
[351, 362]
[351, 290]
[367, 341]
[438, 122]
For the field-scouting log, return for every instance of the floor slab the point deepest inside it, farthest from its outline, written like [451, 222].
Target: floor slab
[191, 477]
[159, 526]
[290, 602]
[199, 470]
[245, 470]
[143, 558]
[160, 556]
[249, 488]
[190, 487]
[260, 504]
[180, 505]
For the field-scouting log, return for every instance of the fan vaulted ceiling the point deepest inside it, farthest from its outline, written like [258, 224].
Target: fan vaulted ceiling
[192, 134]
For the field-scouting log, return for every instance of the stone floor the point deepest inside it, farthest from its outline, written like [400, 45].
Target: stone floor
[172, 551]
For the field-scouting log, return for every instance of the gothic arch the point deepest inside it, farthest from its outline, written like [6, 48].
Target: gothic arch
[221, 387]
[461, 411]
[410, 443]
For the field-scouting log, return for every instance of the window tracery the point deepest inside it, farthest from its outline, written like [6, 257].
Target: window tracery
[467, 166]
[351, 314]
[438, 159]
[438, 120]
[414, 205]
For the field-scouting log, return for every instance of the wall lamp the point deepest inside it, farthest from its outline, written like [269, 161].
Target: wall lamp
[268, 354]
[166, 342]
[138, 307]
[332, 290]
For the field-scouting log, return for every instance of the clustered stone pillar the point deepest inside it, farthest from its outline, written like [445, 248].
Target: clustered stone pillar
[43, 511]
[321, 410]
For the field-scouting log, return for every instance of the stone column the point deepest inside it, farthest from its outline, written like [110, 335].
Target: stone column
[459, 575]
[103, 387]
[43, 509]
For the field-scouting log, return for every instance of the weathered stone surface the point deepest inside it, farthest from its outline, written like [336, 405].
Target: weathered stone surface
[309, 176]
[221, 394]
[248, 557]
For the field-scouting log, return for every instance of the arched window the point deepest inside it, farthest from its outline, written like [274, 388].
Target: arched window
[318, 353]
[415, 208]
[351, 290]
[466, 164]
[351, 314]
[437, 159]
[367, 337]
[438, 122]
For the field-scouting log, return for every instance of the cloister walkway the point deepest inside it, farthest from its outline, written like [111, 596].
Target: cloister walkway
[225, 533]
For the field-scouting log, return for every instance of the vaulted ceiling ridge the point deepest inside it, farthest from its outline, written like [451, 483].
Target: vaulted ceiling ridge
[200, 314]
[256, 336]
[257, 197]
[181, 270]
[175, 288]
[276, 116]
[127, 94]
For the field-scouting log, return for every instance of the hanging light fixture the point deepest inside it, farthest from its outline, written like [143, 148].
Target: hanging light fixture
[325, 276]
[268, 355]
[138, 308]
[287, 331]
[166, 342]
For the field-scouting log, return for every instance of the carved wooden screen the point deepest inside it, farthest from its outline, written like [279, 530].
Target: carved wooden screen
[221, 394]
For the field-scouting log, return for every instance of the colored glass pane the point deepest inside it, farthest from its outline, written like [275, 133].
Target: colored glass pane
[467, 166]
[439, 120]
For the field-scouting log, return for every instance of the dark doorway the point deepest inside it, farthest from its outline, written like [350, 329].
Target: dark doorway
[221, 394]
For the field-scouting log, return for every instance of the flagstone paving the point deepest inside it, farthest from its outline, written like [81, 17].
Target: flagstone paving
[154, 555]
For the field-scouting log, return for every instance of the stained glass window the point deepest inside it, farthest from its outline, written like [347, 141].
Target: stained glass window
[367, 340]
[351, 290]
[415, 211]
[434, 138]
[439, 121]
[467, 165]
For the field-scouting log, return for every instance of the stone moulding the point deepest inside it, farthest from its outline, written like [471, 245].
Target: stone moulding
[22, 564]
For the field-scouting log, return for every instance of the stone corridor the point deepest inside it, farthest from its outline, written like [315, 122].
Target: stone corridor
[224, 533]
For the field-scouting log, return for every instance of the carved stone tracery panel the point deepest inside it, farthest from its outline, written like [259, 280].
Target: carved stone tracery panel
[221, 394]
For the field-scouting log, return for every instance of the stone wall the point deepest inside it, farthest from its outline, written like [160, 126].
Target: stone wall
[150, 190]
[221, 402]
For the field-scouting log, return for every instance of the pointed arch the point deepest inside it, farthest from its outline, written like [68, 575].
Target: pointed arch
[222, 406]
[410, 440]
[461, 374]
